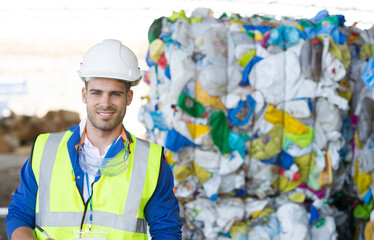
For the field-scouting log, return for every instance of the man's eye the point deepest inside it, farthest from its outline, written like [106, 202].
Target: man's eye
[95, 93]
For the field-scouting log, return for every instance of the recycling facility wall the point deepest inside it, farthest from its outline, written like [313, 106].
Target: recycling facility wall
[267, 124]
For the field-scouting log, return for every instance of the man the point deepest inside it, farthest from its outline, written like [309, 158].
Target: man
[97, 180]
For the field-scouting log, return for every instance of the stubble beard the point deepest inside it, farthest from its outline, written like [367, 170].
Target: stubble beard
[106, 124]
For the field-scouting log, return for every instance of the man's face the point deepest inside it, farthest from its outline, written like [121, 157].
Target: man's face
[106, 101]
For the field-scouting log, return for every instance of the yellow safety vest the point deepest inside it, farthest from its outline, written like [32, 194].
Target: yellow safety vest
[118, 201]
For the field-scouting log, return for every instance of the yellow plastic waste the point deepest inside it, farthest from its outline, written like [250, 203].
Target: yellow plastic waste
[362, 179]
[177, 15]
[298, 26]
[156, 49]
[169, 158]
[238, 227]
[201, 173]
[297, 197]
[366, 51]
[197, 130]
[305, 164]
[259, 36]
[181, 173]
[244, 60]
[341, 52]
[326, 177]
[369, 231]
[345, 94]
[268, 145]
[290, 123]
[357, 140]
[196, 20]
[204, 98]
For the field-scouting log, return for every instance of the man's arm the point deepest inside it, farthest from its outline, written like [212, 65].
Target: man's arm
[21, 211]
[162, 209]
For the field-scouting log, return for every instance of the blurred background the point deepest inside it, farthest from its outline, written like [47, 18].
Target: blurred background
[43, 42]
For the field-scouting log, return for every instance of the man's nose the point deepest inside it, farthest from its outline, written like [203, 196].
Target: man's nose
[105, 100]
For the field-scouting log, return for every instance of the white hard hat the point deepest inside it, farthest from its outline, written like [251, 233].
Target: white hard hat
[110, 59]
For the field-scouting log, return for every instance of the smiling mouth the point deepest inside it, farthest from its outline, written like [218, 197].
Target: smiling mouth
[105, 114]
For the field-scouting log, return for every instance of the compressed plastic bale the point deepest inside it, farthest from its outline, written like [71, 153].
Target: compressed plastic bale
[259, 180]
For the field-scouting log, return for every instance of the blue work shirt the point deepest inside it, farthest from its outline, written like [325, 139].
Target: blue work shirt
[161, 211]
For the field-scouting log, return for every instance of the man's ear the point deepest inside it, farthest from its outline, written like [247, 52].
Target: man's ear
[129, 96]
[84, 95]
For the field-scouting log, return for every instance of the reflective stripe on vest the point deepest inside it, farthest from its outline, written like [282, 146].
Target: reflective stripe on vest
[126, 222]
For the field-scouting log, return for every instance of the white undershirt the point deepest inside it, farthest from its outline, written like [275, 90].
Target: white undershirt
[92, 151]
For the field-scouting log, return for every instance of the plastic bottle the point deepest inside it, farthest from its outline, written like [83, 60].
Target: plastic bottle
[211, 186]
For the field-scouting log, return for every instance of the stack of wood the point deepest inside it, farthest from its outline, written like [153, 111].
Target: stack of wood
[20, 130]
